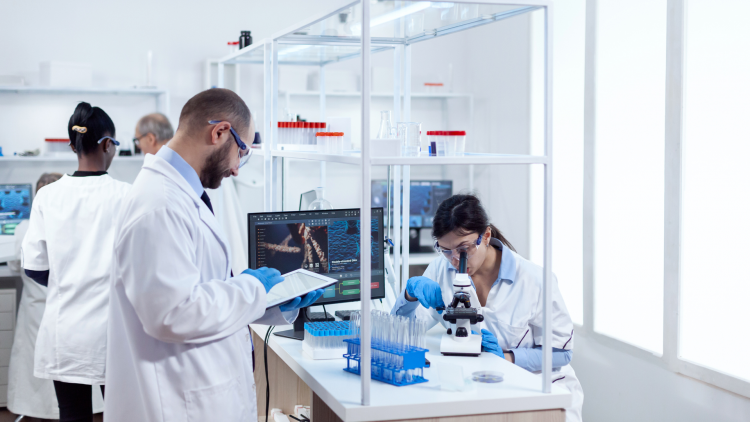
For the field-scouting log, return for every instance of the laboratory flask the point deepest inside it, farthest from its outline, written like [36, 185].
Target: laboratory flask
[320, 203]
[386, 129]
[409, 133]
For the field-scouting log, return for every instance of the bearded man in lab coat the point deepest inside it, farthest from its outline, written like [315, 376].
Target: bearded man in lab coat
[179, 347]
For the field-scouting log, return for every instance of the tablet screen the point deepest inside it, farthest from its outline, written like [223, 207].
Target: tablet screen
[296, 283]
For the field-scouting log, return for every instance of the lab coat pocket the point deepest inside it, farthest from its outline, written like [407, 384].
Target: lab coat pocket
[221, 402]
[510, 337]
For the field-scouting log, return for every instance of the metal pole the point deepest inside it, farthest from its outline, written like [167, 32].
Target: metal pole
[397, 225]
[366, 209]
[278, 191]
[322, 85]
[388, 201]
[267, 132]
[220, 81]
[407, 170]
[547, 296]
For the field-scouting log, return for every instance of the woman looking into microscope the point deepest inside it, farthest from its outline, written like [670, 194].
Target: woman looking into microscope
[506, 286]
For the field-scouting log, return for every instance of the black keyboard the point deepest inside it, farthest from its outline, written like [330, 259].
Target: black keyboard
[320, 317]
[344, 315]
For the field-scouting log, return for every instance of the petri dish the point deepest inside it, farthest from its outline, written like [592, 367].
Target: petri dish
[489, 377]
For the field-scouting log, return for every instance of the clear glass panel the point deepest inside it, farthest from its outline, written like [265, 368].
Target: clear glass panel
[715, 204]
[406, 19]
[629, 188]
[567, 218]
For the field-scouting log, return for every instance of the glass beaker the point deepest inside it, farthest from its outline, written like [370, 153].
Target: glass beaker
[410, 135]
[385, 130]
[320, 203]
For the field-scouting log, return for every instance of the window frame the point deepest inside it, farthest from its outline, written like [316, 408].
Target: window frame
[673, 180]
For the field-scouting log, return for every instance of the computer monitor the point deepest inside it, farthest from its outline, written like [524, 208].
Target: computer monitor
[322, 241]
[425, 197]
[15, 206]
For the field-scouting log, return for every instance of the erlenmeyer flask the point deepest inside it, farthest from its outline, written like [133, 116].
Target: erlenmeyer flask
[320, 203]
[386, 129]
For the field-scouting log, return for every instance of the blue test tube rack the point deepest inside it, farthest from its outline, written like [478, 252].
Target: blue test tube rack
[404, 365]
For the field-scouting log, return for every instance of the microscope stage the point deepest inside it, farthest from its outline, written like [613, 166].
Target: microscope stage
[451, 347]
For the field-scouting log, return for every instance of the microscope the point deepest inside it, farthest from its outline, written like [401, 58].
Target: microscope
[461, 342]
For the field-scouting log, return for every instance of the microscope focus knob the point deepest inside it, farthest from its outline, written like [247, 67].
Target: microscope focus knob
[450, 331]
[480, 318]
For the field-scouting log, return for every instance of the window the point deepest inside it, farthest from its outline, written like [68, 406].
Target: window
[629, 171]
[567, 222]
[715, 205]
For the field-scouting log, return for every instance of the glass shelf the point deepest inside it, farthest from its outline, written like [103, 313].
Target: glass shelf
[337, 37]
[404, 22]
[355, 157]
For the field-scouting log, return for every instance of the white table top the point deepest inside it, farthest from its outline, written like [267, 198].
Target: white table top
[340, 390]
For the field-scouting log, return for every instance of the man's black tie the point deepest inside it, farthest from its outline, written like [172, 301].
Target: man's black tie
[206, 200]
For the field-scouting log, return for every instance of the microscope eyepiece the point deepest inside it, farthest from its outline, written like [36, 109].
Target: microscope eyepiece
[462, 263]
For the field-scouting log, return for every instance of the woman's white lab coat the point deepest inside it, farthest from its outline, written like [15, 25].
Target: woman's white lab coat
[513, 313]
[179, 346]
[27, 394]
[71, 234]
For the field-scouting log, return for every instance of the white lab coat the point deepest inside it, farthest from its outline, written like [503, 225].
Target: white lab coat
[27, 394]
[71, 234]
[513, 313]
[179, 344]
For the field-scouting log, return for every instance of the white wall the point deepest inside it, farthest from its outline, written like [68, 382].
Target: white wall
[619, 387]
[114, 38]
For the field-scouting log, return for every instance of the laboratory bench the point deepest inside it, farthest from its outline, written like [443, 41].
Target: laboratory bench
[335, 394]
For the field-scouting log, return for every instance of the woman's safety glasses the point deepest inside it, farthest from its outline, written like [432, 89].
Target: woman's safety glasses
[244, 152]
[114, 141]
[451, 254]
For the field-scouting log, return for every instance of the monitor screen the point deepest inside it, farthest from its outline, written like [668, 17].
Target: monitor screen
[321, 241]
[426, 196]
[15, 206]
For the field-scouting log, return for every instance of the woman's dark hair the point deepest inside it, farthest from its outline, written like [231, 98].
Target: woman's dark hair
[92, 125]
[465, 214]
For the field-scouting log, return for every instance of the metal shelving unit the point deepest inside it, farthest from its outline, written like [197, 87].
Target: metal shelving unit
[311, 43]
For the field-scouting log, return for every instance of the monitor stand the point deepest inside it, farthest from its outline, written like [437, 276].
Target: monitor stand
[298, 333]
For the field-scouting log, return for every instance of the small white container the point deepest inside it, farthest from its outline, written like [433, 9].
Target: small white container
[57, 147]
[388, 147]
[233, 46]
[65, 74]
[457, 139]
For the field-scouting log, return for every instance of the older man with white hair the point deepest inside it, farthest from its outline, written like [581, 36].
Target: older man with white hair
[152, 132]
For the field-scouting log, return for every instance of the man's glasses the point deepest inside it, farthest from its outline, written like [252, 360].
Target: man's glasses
[244, 152]
[451, 254]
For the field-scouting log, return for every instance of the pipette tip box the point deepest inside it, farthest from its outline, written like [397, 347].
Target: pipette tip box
[324, 340]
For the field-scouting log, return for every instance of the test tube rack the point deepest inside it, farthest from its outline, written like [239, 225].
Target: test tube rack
[404, 364]
[323, 340]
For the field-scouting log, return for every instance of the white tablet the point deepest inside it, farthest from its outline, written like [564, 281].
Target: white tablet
[296, 283]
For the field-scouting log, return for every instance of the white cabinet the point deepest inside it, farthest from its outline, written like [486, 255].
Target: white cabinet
[7, 326]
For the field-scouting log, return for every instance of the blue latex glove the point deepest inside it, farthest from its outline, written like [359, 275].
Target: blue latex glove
[489, 343]
[299, 302]
[426, 291]
[269, 277]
